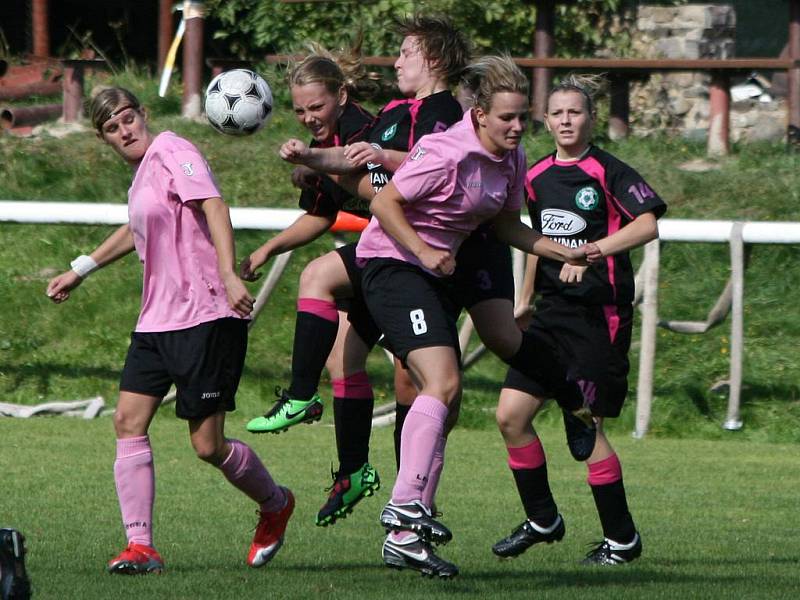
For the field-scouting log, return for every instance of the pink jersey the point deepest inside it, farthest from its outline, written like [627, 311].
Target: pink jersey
[451, 184]
[182, 287]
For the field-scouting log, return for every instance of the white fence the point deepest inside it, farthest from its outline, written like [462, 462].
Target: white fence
[736, 234]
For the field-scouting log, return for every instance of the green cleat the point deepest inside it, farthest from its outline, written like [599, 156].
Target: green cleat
[346, 492]
[286, 413]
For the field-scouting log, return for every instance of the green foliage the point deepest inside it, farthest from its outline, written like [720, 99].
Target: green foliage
[251, 27]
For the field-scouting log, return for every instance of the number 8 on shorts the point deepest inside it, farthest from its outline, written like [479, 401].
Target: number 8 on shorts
[418, 323]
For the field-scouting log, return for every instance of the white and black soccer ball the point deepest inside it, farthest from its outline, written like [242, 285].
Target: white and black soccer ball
[238, 102]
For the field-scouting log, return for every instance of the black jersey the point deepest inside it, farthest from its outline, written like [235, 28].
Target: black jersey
[327, 198]
[573, 203]
[401, 123]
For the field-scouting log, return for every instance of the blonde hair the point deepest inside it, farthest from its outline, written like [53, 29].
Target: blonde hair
[107, 101]
[588, 85]
[334, 70]
[489, 75]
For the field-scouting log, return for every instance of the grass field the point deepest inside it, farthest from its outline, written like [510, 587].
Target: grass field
[717, 510]
[718, 519]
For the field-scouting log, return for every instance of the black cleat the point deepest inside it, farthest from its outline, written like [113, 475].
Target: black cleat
[416, 517]
[581, 433]
[528, 534]
[609, 552]
[414, 553]
[14, 583]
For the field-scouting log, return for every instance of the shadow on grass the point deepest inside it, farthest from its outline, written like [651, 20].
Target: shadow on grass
[43, 373]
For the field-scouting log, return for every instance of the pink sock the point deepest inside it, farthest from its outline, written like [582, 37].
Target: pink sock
[134, 475]
[421, 433]
[526, 457]
[437, 464]
[604, 471]
[324, 309]
[246, 472]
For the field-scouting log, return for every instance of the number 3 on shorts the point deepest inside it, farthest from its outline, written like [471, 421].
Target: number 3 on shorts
[418, 321]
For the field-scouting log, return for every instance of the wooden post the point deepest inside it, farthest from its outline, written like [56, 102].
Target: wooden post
[192, 60]
[164, 31]
[543, 47]
[733, 420]
[793, 134]
[647, 351]
[41, 29]
[620, 107]
[73, 91]
[719, 117]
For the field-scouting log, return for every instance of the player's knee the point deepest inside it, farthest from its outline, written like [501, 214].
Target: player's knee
[507, 422]
[209, 452]
[127, 425]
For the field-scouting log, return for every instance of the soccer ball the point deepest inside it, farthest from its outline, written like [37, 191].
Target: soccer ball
[238, 102]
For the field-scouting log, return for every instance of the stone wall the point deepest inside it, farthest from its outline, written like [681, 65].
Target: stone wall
[679, 102]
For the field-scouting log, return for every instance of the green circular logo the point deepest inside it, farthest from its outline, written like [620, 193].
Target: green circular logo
[586, 198]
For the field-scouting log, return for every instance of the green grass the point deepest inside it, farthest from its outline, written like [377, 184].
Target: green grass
[717, 519]
[716, 509]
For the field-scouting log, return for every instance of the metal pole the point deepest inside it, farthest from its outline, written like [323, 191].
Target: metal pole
[164, 31]
[793, 75]
[733, 421]
[41, 30]
[543, 47]
[192, 60]
[719, 118]
[647, 351]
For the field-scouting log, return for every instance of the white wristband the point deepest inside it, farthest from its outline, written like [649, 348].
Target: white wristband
[83, 265]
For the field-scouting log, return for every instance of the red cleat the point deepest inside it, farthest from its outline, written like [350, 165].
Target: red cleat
[136, 559]
[269, 533]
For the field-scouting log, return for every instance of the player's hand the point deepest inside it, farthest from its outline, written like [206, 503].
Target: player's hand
[239, 298]
[592, 252]
[361, 153]
[523, 315]
[294, 151]
[250, 264]
[304, 178]
[572, 273]
[576, 256]
[438, 261]
[59, 287]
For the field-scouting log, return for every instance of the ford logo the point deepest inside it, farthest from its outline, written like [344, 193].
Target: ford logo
[559, 222]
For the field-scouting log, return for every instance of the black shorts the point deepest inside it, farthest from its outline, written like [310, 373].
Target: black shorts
[355, 307]
[579, 336]
[411, 307]
[483, 270]
[204, 362]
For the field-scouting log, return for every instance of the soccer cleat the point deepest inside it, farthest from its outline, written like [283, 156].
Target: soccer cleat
[414, 553]
[346, 492]
[581, 433]
[416, 517]
[268, 538]
[528, 534]
[609, 552]
[14, 582]
[286, 413]
[136, 559]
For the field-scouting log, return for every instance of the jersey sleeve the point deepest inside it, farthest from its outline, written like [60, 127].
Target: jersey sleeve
[191, 176]
[425, 172]
[516, 187]
[325, 200]
[436, 118]
[354, 124]
[632, 193]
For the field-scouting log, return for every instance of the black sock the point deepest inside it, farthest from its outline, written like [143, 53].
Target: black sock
[612, 507]
[533, 360]
[534, 491]
[313, 340]
[353, 420]
[400, 414]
